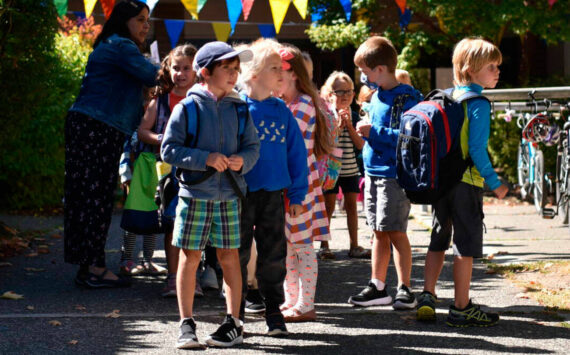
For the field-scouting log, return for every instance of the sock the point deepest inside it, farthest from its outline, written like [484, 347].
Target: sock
[129, 240]
[149, 244]
[237, 322]
[379, 284]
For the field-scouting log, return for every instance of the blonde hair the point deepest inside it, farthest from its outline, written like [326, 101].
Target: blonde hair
[323, 139]
[262, 49]
[403, 76]
[336, 76]
[472, 54]
[365, 95]
[376, 51]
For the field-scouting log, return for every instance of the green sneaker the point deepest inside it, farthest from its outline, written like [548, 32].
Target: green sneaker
[471, 316]
[426, 307]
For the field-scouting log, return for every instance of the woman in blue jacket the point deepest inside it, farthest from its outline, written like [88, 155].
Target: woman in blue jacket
[109, 107]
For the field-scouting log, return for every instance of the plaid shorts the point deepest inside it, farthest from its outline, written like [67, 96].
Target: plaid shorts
[198, 221]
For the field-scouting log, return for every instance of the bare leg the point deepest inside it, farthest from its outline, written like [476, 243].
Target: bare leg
[402, 257]
[380, 255]
[462, 269]
[351, 217]
[432, 269]
[330, 201]
[229, 261]
[186, 281]
[171, 252]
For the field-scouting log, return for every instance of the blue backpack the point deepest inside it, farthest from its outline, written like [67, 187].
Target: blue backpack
[191, 113]
[429, 161]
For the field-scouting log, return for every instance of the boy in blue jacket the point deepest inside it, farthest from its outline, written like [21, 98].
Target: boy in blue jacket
[210, 209]
[387, 206]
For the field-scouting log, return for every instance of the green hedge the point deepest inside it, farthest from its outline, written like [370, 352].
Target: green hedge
[38, 85]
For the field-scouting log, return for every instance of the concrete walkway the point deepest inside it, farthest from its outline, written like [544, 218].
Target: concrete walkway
[147, 323]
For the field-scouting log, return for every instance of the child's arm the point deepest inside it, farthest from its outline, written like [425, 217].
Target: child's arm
[296, 161]
[145, 132]
[478, 112]
[249, 147]
[172, 149]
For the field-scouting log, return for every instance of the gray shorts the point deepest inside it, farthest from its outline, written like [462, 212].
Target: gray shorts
[460, 211]
[387, 207]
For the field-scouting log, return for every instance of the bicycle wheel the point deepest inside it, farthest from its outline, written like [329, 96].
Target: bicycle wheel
[523, 171]
[562, 185]
[539, 186]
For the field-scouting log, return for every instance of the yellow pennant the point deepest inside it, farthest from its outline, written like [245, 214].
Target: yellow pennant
[278, 10]
[222, 30]
[191, 6]
[89, 6]
[301, 6]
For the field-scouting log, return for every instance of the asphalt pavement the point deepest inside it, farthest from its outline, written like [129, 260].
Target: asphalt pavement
[55, 316]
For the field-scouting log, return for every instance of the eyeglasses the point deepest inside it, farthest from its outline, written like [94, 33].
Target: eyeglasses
[343, 92]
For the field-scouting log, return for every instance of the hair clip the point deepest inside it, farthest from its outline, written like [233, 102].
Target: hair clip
[285, 56]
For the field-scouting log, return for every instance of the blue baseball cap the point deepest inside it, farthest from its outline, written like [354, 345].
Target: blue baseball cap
[216, 51]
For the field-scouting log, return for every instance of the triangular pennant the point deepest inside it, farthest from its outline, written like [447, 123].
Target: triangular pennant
[234, 11]
[89, 6]
[401, 5]
[301, 6]
[278, 11]
[246, 8]
[174, 28]
[405, 18]
[347, 7]
[80, 15]
[222, 30]
[551, 3]
[201, 4]
[107, 6]
[151, 4]
[191, 6]
[61, 6]
[317, 13]
[267, 31]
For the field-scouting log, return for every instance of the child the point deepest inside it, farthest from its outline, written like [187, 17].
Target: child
[301, 96]
[403, 77]
[339, 90]
[210, 209]
[282, 165]
[475, 66]
[175, 77]
[386, 203]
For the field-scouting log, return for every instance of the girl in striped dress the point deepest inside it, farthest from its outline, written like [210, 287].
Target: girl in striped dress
[312, 224]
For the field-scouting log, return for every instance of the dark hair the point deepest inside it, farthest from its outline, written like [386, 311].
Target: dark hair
[117, 22]
[210, 67]
[165, 83]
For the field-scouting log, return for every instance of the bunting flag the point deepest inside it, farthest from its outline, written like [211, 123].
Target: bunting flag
[201, 4]
[61, 6]
[301, 6]
[234, 11]
[347, 7]
[246, 8]
[174, 29]
[80, 15]
[317, 13]
[89, 6]
[222, 30]
[405, 18]
[401, 5]
[151, 4]
[107, 6]
[551, 3]
[278, 11]
[191, 6]
[267, 31]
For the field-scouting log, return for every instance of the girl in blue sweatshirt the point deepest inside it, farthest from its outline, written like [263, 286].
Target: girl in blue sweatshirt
[281, 169]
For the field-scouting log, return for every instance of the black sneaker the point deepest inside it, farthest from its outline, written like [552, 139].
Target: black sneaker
[187, 338]
[276, 325]
[228, 334]
[254, 302]
[426, 306]
[471, 316]
[404, 299]
[370, 296]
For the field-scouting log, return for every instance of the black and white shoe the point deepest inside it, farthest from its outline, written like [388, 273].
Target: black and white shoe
[276, 325]
[370, 296]
[228, 334]
[404, 299]
[187, 338]
[254, 302]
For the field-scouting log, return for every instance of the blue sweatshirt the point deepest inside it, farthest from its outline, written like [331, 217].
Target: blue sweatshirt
[479, 116]
[379, 151]
[283, 157]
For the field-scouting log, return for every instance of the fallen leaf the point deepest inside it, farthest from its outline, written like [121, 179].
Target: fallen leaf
[73, 342]
[5, 264]
[80, 307]
[491, 271]
[522, 295]
[9, 295]
[43, 249]
[55, 323]
[503, 253]
[31, 308]
[491, 257]
[56, 236]
[34, 269]
[114, 314]
[32, 255]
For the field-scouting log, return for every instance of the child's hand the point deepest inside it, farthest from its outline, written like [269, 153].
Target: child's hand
[501, 191]
[363, 128]
[295, 210]
[344, 118]
[235, 162]
[217, 161]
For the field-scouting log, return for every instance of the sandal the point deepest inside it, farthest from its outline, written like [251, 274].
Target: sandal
[91, 280]
[326, 254]
[293, 315]
[360, 253]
